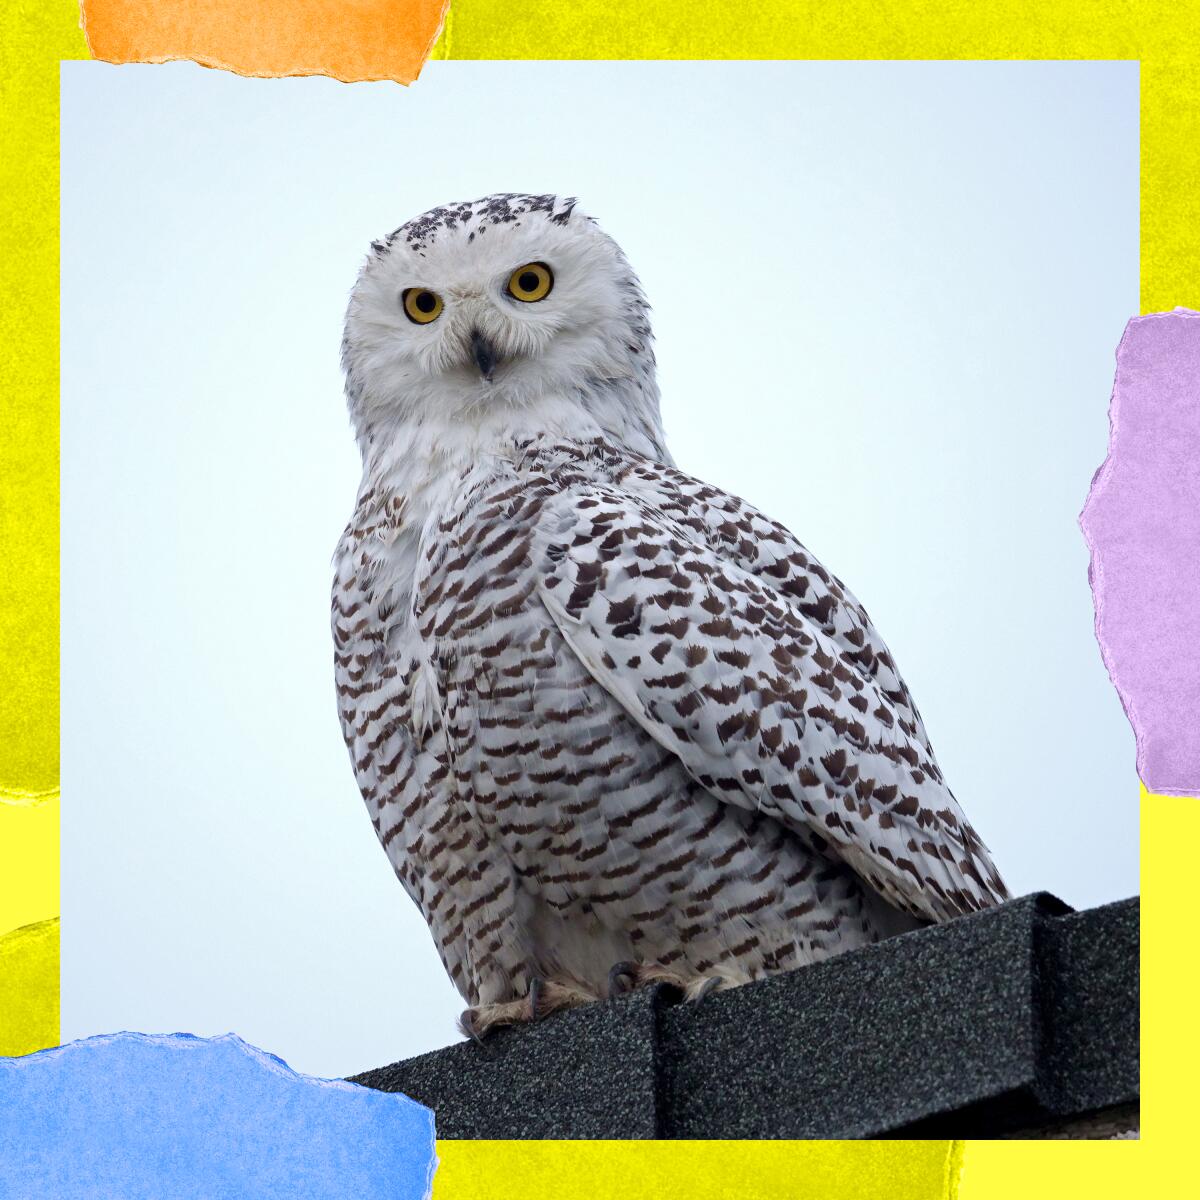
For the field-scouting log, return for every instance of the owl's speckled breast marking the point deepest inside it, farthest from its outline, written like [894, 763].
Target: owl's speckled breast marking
[539, 827]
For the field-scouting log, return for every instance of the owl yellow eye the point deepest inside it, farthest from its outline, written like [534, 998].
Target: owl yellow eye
[531, 282]
[421, 305]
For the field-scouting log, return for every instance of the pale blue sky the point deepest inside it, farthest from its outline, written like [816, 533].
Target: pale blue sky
[934, 264]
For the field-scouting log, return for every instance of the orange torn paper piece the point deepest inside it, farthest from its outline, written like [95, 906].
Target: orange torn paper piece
[350, 40]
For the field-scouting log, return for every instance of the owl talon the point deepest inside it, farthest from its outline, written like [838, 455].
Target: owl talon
[468, 1023]
[707, 988]
[622, 978]
[537, 993]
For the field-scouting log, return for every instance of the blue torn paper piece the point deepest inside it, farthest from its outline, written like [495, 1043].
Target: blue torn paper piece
[135, 1115]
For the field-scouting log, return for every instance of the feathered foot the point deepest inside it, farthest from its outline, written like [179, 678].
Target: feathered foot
[545, 996]
[625, 976]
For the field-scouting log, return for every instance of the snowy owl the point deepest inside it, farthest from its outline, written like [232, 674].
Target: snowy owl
[612, 725]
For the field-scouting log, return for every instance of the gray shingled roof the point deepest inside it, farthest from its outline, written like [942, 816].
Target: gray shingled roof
[1020, 1017]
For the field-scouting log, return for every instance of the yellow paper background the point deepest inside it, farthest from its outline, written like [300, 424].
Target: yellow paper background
[29, 988]
[697, 1170]
[28, 861]
[32, 41]
[36, 36]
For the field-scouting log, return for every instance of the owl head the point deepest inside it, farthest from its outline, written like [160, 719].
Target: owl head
[511, 313]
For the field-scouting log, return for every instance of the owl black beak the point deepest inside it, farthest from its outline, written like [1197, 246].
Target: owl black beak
[486, 356]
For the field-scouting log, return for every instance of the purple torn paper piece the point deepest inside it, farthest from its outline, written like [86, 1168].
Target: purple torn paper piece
[1142, 525]
[137, 1115]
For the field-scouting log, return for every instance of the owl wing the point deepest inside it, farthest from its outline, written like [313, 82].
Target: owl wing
[774, 701]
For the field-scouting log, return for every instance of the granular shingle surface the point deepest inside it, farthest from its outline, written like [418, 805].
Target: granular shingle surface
[586, 1073]
[1021, 1016]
